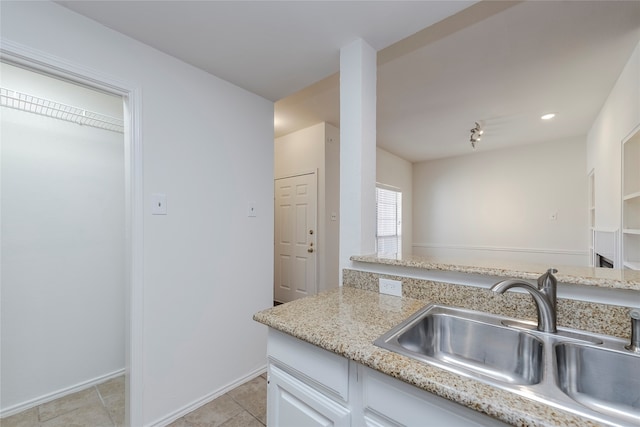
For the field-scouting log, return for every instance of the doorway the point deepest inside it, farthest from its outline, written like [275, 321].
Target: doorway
[20, 56]
[63, 237]
[295, 267]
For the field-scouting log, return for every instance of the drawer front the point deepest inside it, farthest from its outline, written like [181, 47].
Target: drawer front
[292, 403]
[391, 402]
[323, 369]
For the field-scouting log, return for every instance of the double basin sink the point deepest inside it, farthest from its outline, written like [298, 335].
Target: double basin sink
[587, 374]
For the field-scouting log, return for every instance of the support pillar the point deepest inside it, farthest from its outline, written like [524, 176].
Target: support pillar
[358, 74]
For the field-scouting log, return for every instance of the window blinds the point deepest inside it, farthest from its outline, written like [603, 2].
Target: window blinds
[389, 221]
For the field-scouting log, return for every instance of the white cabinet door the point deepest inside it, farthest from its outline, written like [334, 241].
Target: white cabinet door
[292, 403]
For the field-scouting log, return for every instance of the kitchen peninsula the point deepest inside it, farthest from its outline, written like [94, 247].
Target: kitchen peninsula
[343, 323]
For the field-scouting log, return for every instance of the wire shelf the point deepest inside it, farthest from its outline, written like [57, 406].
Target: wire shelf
[33, 104]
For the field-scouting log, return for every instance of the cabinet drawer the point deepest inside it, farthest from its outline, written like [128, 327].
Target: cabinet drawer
[391, 402]
[325, 370]
[292, 403]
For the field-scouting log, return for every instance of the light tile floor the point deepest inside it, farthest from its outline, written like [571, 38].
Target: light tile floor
[244, 406]
[103, 406]
[98, 406]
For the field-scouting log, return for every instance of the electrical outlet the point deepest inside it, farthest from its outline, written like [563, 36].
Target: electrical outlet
[390, 287]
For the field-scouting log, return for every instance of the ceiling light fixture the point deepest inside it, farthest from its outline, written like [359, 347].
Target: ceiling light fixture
[548, 116]
[476, 134]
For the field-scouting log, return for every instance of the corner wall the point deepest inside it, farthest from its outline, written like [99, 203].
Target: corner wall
[499, 204]
[208, 145]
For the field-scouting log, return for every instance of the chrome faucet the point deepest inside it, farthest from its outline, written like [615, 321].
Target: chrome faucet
[544, 296]
[634, 345]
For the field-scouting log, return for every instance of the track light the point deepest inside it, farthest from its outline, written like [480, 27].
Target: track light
[476, 135]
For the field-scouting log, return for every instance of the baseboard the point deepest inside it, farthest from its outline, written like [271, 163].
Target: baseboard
[15, 409]
[206, 399]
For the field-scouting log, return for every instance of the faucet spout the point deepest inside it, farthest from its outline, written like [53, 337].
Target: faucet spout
[544, 297]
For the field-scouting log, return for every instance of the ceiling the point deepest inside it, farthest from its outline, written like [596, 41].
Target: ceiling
[502, 64]
[442, 65]
[271, 48]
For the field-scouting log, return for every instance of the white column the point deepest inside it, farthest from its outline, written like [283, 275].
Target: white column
[357, 151]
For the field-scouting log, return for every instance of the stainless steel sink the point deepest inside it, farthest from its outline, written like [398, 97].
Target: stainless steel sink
[470, 343]
[602, 379]
[588, 374]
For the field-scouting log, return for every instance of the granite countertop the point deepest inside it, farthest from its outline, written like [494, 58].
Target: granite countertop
[590, 276]
[347, 320]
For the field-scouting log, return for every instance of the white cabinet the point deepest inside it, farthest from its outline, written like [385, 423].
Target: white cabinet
[309, 386]
[630, 244]
[292, 403]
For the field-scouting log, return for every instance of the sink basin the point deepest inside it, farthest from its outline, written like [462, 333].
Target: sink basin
[605, 380]
[469, 343]
[588, 374]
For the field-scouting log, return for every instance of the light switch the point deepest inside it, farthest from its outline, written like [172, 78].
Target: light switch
[251, 210]
[158, 204]
[334, 216]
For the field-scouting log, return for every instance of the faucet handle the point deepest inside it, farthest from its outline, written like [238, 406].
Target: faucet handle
[548, 285]
[548, 275]
[547, 279]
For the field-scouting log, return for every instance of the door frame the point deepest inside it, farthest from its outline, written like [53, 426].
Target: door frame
[20, 55]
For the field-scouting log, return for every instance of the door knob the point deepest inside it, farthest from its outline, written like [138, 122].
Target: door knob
[310, 250]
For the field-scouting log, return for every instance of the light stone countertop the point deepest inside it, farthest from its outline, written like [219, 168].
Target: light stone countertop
[590, 276]
[347, 320]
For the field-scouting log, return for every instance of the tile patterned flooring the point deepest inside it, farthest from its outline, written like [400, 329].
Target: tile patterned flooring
[103, 406]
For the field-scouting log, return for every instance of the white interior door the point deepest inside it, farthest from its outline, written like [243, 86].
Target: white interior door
[295, 237]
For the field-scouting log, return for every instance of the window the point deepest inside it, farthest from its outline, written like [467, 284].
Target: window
[389, 220]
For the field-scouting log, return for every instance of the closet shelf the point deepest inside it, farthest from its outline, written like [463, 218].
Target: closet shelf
[633, 265]
[632, 196]
[33, 104]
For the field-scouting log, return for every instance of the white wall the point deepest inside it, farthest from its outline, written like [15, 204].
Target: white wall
[209, 146]
[317, 149]
[498, 204]
[617, 118]
[397, 172]
[300, 152]
[62, 275]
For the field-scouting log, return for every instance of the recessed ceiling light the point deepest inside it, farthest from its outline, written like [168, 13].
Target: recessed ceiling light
[548, 116]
